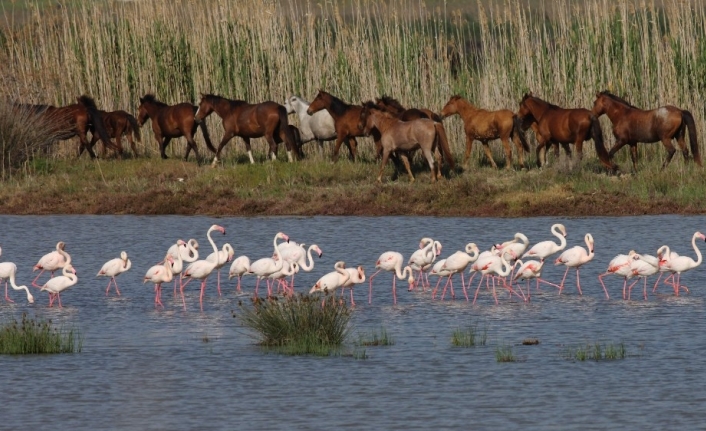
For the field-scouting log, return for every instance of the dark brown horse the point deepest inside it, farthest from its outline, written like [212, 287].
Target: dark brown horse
[74, 120]
[346, 120]
[632, 125]
[405, 137]
[480, 124]
[170, 122]
[119, 124]
[555, 125]
[266, 119]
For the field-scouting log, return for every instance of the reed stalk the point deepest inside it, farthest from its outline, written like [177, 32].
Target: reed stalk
[33, 336]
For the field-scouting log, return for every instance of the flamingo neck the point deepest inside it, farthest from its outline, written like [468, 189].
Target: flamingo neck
[504, 264]
[308, 264]
[562, 240]
[213, 244]
[403, 273]
[696, 249]
[279, 262]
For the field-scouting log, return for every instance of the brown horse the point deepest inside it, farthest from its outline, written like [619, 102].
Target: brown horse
[632, 125]
[346, 119]
[555, 125]
[75, 120]
[406, 136]
[266, 119]
[119, 124]
[486, 125]
[170, 122]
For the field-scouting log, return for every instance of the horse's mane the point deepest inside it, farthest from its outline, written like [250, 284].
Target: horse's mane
[87, 101]
[149, 97]
[338, 106]
[530, 95]
[617, 99]
[390, 102]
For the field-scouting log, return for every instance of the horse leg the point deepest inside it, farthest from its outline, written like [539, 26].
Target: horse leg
[191, 145]
[163, 142]
[667, 142]
[430, 159]
[336, 149]
[94, 139]
[227, 137]
[619, 143]
[248, 148]
[469, 147]
[353, 148]
[273, 146]
[405, 161]
[489, 154]
[84, 144]
[633, 156]
[321, 148]
[508, 152]
[385, 156]
[131, 141]
[520, 152]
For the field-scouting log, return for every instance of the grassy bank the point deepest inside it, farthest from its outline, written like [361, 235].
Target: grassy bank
[154, 186]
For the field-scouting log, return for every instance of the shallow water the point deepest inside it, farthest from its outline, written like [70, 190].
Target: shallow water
[143, 368]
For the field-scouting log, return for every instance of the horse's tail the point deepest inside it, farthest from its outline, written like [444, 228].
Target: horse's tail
[519, 134]
[444, 144]
[289, 138]
[96, 119]
[597, 134]
[135, 127]
[206, 136]
[693, 141]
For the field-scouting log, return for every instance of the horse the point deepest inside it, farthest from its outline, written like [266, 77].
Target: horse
[119, 124]
[632, 125]
[485, 125]
[74, 120]
[319, 127]
[398, 135]
[170, 122]
[240, 118]
[555, 125]
[346, 120]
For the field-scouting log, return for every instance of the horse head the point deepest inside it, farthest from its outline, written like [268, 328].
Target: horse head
[321, 101]
[205, 107]
[290, 103]
[142, 111]
[451, 106]
[531, 108]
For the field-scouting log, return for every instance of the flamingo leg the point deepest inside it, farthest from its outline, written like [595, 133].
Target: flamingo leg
[657, 282]
[495, 296]
[578, 281]
[58, 295]
[451, 286]
[562, 280]
[257, 285]
[644, 289]
[238, 287]
[600, 278]
[34, 282]
[218, 285]
[433, 292]
[107, 289]
[631, 286]
[203, 288]
[477, 289]
[465, 293]
[370, 291]
[352, 300]
[394, 289]
[7, 298]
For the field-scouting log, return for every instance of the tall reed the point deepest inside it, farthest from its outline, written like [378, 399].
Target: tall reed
[35, 336]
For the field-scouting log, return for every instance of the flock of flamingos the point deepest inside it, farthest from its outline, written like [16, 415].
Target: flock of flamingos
[500, 266]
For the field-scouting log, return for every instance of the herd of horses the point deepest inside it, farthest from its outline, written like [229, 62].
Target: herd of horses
[397, 131]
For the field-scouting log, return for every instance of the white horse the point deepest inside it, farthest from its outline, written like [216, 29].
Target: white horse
[319, 127]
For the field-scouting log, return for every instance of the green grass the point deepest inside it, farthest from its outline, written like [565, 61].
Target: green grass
[597, 352]
[469, 336]
[33, 336]
[376, 339]
[505, 353]
[297, 325]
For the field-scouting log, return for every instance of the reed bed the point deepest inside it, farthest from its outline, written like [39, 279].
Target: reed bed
[30, 336]
[421, 53]
[505, 353]
[469, 336]
[298, 325]
[597, 352]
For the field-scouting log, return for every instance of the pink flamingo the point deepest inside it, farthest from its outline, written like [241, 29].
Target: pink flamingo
[221, 257]
[391, 261]
[281, 275]
[499, 267]
[332, 281]
[576, 257]
[201, 269]
[531, 269]
[483, 259]
[239, 267]
[515, 247]
[113, 268]
[58, 284]
[422, 259]
[441, 272]
[357, 277]
[457, 263]
[664, 253]
[188, 250]
[544, 249]
[293, 252]
[643, 266]
[681, 264]
[7, 273]
[50, 262]
[262, 268]
[158, 274]
[620, 266]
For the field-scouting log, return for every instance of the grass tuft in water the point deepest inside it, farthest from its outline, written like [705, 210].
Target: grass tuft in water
[597, 352]
[375, 339]
[505, 354]
[32, 336]
[469, 336]
[298, 325]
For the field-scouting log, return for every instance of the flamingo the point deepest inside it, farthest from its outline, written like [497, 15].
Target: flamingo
[188, 251]
[267, 265]
[50, 262]
[483, 259]
[58, 284]
[7, 273]
[681, 264]
[279, 276]
[391, 261]
[528, 270]
[499, 267]
[664, 253]
[332, 281]
[178, 252]
[357, 277]
[113, 268]
[576, 257]
[643, 266]
[517, 246]
[158, 274]
[620, 266]
[201, 269]
[457, 263]
[439, 270]
[293, 252]
[423, 258]
[544, 249]
[221, 257]
[239, 267]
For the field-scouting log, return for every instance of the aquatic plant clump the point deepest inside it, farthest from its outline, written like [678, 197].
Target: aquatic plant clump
[31, 336]
[375, 339]
[298, 325]
[469, 336]
[597, 352]
[504, 354]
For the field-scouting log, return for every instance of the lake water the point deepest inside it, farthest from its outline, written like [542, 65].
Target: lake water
[149, 369]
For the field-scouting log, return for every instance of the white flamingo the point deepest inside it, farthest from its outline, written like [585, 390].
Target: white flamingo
[158, 274]
[332, 281]
[391, 261]
[643, 266]
[189, 251]
[531, 269]
[50, 262]
[457, 263]
[620, 266]
[357, 277]
[500, 268]
[423, 259]
[664, 253]
[544, 249]
[221, 257]
[439, 271]
[201, 269]
[239, 267]
[280, 276]
[293, 252]
[59, 284]
[7, 273]
[576, 257]
[113, 268]
[515, 247]
[262, 268]
[681, 264]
